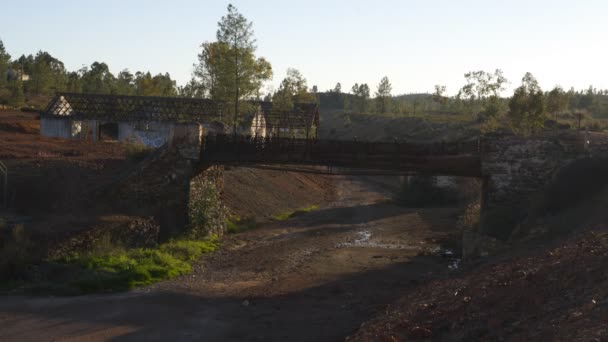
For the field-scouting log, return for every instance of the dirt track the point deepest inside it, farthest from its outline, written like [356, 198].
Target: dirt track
[314, 277]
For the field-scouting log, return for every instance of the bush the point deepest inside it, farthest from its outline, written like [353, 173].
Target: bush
[17, 252]
[136, 150]
[122, 270]
[289, 214]
[235, 224]
[205, 209]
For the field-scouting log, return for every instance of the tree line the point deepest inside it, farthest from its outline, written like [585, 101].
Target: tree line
[228, 70]
[42, 75]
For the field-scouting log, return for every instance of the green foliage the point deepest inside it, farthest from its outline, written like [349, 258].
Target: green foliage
[293, 89]
[205, 209]
[557, 101]
[5, 58]
[228, 69]
[289, 214]
[17, 98]
[190, 250]
[480, 85]
[236, 224]
[383, 95]
[527, 107]
[136, 150]
[361, 96]
[123, 270]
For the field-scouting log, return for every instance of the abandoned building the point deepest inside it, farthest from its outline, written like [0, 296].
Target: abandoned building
[156, 121]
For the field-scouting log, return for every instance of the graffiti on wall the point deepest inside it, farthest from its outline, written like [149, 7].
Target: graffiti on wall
[154, 139]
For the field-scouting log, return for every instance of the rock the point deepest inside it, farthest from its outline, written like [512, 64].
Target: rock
[420, 332]
[246, 302]
[575, 316]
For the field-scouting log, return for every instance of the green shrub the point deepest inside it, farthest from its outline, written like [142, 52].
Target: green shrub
[189, 250]
[125, 269]
[235, 224]
[136, 150]
[289, 214]
[205, 209]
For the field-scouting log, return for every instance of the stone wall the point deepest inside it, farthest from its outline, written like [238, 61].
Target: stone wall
[206, 210]
[517, 170]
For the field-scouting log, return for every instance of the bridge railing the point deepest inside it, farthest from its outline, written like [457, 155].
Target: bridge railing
[229, 148]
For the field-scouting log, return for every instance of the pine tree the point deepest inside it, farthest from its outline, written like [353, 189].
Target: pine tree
[383, 94]
[5, 59]
[17, 98]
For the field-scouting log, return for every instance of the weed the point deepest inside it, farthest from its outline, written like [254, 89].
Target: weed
[136, 150]
[121, 269]
[289, 214]
[235, 224]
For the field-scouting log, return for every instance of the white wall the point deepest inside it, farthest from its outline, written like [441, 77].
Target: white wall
[56, 128]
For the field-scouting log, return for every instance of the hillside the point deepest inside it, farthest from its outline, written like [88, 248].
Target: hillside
[552, 286]
[376, 127]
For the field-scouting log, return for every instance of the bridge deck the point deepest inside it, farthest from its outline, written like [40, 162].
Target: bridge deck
[460, 159]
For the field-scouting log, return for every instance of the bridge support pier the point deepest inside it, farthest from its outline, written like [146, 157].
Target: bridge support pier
[516, 171]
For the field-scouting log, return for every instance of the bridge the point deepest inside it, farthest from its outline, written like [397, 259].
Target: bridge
[514, 169]
[456, 159]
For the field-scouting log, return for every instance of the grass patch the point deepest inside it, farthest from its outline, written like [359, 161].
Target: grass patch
[136, 150]
[289, 214]
[235, 224]
[121, 269]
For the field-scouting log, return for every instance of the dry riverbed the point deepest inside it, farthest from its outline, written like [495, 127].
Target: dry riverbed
[314, 277]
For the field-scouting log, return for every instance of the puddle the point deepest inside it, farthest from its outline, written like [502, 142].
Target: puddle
[364, 240]
[454, 264]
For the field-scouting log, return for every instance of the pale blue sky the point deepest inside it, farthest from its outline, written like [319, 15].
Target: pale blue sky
[417, 44]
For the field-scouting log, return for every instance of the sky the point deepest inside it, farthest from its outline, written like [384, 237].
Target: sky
[417, 44]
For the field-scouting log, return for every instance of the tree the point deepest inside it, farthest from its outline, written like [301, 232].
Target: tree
[527, 107]
[293, 89]
[192, 89]
[159, 85]
[248, 72]
[47, 74]
[557, 101]
[587, 101]
[480, 85]
[125, 83]
[364, 91]
[314, 89]
[5, 59]
[439, 95]
[98, 79]
[383, 94]
[338, 88]
[74, 81]
[17, 98]
[361, 95]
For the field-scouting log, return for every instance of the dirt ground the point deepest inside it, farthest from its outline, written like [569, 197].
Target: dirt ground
[315, 277]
